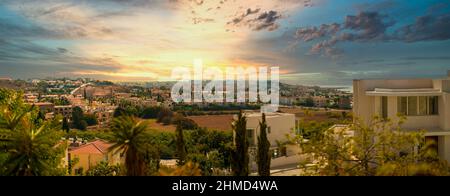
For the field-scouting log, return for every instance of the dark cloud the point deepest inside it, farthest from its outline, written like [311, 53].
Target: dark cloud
[373, 27]
[266, 20]
[426, 28]
[428, 58]
[12, 29]
[244, 15]
[368, 26]
[23, 52]
[263, 21]
[62, 50]
[23, 49]
[307, 3]
[311, 33]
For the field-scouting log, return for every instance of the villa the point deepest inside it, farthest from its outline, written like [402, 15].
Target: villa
[424, 102]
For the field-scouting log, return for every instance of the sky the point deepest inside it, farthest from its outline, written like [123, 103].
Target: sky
[314, 42]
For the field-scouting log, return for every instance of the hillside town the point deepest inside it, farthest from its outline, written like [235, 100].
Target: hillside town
[90, 106]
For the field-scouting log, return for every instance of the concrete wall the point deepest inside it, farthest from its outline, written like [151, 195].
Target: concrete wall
[444, 147]
[444, 111]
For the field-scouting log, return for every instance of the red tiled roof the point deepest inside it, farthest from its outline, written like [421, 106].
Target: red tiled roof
[95, 147]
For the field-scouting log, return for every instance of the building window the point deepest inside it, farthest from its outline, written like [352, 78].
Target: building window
[417, 105]
[384, 107]
[412, 106]
[423, 106]
[402, 105]
[433, 105]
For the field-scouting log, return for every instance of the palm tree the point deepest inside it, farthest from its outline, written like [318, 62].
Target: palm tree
[31, 149]
[30, 144]
[128, 138]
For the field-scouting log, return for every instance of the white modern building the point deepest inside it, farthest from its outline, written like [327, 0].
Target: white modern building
[280, 126]
[424, 102]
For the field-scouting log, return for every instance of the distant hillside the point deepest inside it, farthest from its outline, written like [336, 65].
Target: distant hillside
[15, 84]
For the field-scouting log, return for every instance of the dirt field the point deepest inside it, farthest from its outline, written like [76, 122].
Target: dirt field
[214, 122]
[315, 115]
[160, 127]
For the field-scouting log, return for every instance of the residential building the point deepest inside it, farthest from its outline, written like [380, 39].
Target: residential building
[288, 100]
[320, 101]
[424, 102]
[279, 125]
[90, 154]
[64, 110]
[344, 102]
[45, 107]
[31, 97]
[104, 117]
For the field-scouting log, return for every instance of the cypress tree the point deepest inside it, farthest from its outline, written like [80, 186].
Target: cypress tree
[240, 157]
[263, 156]
[181, 146]
[65, 125]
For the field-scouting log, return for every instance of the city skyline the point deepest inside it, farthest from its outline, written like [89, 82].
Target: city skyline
[314, 42]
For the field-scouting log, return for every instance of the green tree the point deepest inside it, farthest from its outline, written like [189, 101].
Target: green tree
[78, 121]
[379, 147]
[31, 145]
[90, 119]
[309, 102]
[129, 139]
[104, 169]
[263, 156]
[185, 123]
[150, 112]
[165, 115]
[181, 145]
[65, 125]
[240, 157]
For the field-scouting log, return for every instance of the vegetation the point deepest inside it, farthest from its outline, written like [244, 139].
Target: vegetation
[29, 146]
[263, 157]
[128, 138]
[65, 125]
[103, 169]
[181, 146]
[78, 121]
[90, 119]
[379, 148]
[240, 158]
[188, 169]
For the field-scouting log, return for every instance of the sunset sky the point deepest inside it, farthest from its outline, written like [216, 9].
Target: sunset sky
[320, 42]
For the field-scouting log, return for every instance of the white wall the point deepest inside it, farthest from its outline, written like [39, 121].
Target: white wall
[444, 147]
[280, 126]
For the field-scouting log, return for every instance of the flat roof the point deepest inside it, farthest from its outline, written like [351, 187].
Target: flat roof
[268, 115]
[404, 92]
